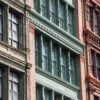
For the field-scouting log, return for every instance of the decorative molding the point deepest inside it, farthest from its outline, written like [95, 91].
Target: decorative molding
[55, 32]
[93, 83]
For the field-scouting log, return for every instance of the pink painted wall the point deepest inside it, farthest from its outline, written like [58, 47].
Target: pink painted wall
[30, 3]
[81, 37]
[32, 61]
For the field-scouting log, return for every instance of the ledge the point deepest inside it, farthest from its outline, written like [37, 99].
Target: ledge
[57, 79]
[56, 32]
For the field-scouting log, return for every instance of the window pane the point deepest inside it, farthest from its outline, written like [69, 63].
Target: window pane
[54, 61]
[10, 16]
[15, 37]
[57, 96]
[14, 27]
[38, 92]
[45, 55]
[61, 14]
[70, 21]
[15, 44]
[13, 86]
[14, 19]
[48, 94]
[52, 10]
[10, 91]
[15, 78]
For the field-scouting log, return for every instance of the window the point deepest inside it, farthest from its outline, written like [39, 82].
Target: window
[48, 94]
[13, 30]
[1, 85]
[54, 60]
[43, 4]
[38, 92]
[1, 32]
[37, 50]
[13, 86]
[72, 68]
[53, 10]
[57, 96]
[95, 23]
[90, 17]
[62, 15]
[45, 55]
[66, 98]
[56, 12]
[64, 66]
[70, 21]
[96, 98]
[95, 64]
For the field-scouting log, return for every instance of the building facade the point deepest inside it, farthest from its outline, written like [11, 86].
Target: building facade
[13, 51]
[56, 49]
[92, 50]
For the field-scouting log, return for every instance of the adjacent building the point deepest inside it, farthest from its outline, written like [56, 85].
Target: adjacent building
[92, 50]
[13, 51]
[56, 49]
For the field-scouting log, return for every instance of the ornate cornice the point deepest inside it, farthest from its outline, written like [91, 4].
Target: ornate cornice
[93, 83]
[92, 39]
[15, 4]
[56, 33]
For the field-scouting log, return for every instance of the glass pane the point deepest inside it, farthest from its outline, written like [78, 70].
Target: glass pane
[15, 44]
[14, 19]
[15, 37]
[10, 25]
[10, 35]
[57, 96]
[15, 87]
[48, 95]
[14, 27]
[11, 76]
[15, 96]
[9, 16]
[38, 92]
[15, 78]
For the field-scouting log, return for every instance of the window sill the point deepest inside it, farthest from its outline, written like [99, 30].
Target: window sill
[6, 45]
[57, 79]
